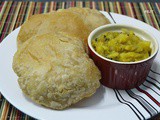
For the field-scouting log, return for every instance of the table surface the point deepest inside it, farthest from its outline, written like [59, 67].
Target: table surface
[14, 13]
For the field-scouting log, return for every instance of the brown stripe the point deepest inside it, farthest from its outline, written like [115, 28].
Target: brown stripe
[148, 13]
[106, 6]
[54, 5]
[31, 9]
[137, 11]
[6, 22]
[134, 12]
[129, 10]
[4, 17]
[51, 6]
[123, 8]
[20, 15]
[15, 17]
[5, 110]
[48, 7]
[2, 12]
[118, 7]
[37, 10]
[1, 6]
[149, 95]
[9, 19]
[102, 6]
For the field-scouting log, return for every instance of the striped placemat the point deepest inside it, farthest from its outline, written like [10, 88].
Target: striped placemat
[13, 14]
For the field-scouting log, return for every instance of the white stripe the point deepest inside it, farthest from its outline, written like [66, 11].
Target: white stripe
[147, 99]
[151, 86]
[152, 93]
[155, 76]
[125, 104]
[156, 62]
[135, 103]
[108, 16]
[153, 81]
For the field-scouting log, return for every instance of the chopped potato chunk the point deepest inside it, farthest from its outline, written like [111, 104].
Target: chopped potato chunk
[122, 46]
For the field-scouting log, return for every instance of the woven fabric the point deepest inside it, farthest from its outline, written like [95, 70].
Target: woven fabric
[13, 14]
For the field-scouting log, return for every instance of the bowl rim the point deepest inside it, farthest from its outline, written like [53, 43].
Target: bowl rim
[121, 25]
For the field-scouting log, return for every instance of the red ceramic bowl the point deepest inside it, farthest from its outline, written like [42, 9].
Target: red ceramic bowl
[122, 75]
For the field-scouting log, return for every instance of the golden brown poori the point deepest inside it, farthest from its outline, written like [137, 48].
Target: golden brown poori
[78, 22]
[55, 71]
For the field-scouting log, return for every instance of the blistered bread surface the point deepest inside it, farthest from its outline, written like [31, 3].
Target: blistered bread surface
[79, 22]
[55, 71]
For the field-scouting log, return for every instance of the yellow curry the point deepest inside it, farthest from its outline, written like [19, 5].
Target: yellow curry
[122, 46]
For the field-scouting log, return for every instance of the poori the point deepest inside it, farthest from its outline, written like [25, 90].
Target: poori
[78, 22]
[55, 71]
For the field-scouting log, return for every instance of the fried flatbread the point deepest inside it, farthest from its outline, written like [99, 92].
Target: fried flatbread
[55, 71]
[78, 22]
[92, 17]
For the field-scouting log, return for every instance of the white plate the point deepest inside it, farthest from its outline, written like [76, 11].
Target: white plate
[105, 104]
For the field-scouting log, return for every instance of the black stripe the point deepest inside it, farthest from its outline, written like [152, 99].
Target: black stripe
[154, 72]
[142, 102]
[141, 12]
[111, 17]
[127, 105]
[153, 84]
[25, 12]
[153, 79]
[9, 112]
[1, 100]
[151, 89]
[130, 104]
[140, 98]
[34, 8]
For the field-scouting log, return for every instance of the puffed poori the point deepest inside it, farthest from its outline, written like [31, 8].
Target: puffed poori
[54, 70]
[75, 21]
